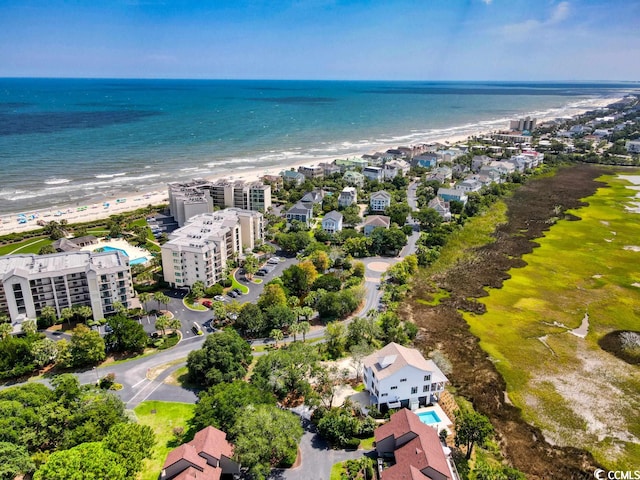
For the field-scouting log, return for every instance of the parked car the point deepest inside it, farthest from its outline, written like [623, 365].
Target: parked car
[207, 303]
[219, 298]
[238, 291]
[196, 329]
[274, 260]
[232, 294]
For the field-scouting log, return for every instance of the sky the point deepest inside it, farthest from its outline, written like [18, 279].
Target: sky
[322, 39]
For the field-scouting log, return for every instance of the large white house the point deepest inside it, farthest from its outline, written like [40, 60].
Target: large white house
[28, 283]
[379, 201]
[348, 196]
[199, 251]
[332, 222]
[397, 376]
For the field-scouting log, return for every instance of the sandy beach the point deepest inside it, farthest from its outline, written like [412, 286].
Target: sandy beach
[10, 223]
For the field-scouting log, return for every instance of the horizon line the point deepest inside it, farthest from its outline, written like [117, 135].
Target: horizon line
[45, 77]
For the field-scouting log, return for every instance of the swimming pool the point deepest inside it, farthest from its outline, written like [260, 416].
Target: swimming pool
[429, 418]
[135, 261]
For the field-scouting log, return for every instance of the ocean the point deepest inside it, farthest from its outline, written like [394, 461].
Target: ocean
[75, 141]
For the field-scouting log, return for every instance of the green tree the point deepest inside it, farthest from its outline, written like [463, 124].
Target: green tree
[84, 312]
[174, 324]
[14, 459]
[250, 265]
[320, 260]
[162, 323]
[219, 310]
[294, 329]
[87, 346]
[327, 282]
[46, 250]
[335, 339]
[86, 461]
[197, 289]
[144, 298]
[384, 241]
[265, 437]
[48, 317]
[277, 335]
[44, 352]
[272, 295]
[279, 317]
[429, 218]
[398, 212]
[358, 269]
[161, 298]
[67, 314]
[224, 357]
[133, 443]
[222, 404]
[472, 428]
[304, 328]
[5, 330]
[286, 372]
[126, 335]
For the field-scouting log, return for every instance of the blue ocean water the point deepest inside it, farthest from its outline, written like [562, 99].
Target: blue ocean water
[72, 141]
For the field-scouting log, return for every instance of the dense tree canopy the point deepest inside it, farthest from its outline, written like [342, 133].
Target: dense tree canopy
[14, 459]
[126, 335]
[224, 357]
[87, 347]
[265, 437]
[472, 428]
[89, 461]
[222, 404]
[133, 443]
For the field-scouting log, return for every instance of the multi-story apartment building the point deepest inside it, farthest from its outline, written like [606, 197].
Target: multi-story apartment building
[200, 196]
[28, 283]
[199, 250]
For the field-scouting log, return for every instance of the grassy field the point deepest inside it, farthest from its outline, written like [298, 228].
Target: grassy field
[167, 416]
[577, 393]
[32, 245]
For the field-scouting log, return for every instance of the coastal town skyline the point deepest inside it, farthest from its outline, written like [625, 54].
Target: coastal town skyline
[579, 40]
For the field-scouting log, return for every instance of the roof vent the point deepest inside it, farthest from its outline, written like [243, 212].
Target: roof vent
[386, 361]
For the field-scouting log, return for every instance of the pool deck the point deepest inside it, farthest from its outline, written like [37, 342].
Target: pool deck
[132, 251]
[444, 422]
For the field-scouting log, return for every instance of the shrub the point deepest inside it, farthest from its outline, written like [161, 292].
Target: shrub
[351, 443]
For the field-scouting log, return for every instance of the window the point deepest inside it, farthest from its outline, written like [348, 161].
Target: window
[414, 390]
[384, 395]
[403, 379]
[427, 378]
[425, 388]
[394, 387]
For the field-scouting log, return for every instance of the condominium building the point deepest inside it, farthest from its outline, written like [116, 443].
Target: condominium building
[200, 196]
[199, 250]
[28, 283]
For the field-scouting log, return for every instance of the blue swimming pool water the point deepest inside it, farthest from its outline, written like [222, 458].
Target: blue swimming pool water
[429, 418]
[135, 261]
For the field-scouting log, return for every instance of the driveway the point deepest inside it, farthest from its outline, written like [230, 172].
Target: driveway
[317, 458]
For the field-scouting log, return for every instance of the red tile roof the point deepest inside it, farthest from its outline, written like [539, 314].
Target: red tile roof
[209, 473]
[424, 450]
[185, 452]
[213, 442]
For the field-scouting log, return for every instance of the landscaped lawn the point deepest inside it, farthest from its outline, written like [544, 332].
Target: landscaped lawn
[236, 284]
[32, 245]
[577, 393]
[167, 416]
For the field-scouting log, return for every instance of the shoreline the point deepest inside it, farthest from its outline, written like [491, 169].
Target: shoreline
[126, 202]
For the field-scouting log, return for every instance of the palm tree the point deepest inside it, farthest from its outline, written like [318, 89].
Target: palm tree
[293, 301]
[84, 312]
[48, 313]
[304, 329]
[295, 329]
[297, 312]
[307, 313]
[161, 298]
[144, 297]
[162, 322]
[174, 324]
[67, 314]
[277, 335]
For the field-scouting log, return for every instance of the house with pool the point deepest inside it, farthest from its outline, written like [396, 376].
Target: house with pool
[397, 376]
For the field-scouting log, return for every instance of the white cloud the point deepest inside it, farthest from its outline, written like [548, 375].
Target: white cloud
[560, 13]
[523, 29]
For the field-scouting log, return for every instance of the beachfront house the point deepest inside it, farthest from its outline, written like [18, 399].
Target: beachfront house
[330, 169]
[442, 207]
[315, 196]
[480, 161]
[353, 178]
[504, 168]
[389, 172]
[332, 222]
[453, 194]
[28, 283]
[200, 250]
[425, 160]
[414, 448]
[346, 164]
[73, 244]
[375, 174]
[372, 222]
[302, 212]
[348, 196]
[311, 171]
[292, 176]
[397, 376]
[379, 201]
[208, 456]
